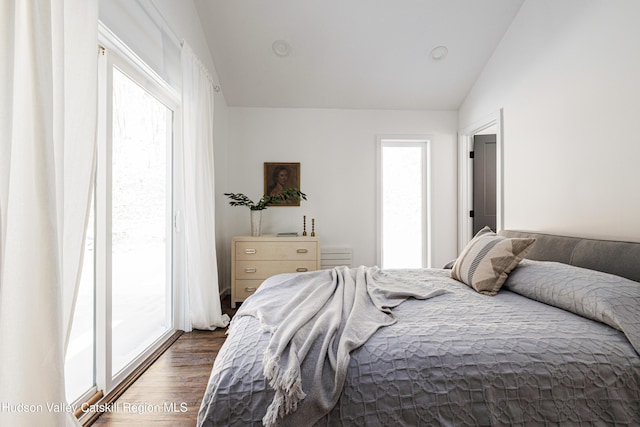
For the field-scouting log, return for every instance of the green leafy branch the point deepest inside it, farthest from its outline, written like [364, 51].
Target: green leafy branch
[239, 199]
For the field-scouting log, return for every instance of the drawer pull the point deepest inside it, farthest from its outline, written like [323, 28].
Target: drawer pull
[250, 251]
[250, 270]
[301, 269]
[302, 251]
[250, 289]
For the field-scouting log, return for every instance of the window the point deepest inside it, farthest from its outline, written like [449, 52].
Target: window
[403, 194]
[124, 308]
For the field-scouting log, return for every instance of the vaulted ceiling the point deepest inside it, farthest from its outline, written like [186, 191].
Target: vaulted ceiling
[352, 53]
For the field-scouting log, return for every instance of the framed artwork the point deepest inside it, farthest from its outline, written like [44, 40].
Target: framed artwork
[278, 176]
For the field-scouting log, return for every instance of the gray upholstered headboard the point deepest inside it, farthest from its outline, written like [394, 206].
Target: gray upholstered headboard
[619, 258]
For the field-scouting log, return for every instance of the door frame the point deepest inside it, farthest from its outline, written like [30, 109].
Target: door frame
[465, 175]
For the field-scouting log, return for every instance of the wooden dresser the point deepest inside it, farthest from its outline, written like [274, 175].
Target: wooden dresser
[254, 259]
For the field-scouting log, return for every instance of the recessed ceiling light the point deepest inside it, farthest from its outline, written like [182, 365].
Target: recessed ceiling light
[281, 48]
[438, 53]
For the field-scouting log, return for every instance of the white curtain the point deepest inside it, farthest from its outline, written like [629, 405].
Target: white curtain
[48, 79]
[202, 307]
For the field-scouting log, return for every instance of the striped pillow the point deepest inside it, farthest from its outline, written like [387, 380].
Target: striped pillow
[487, 260]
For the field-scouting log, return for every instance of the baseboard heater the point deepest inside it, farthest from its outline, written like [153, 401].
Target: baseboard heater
[335, 256]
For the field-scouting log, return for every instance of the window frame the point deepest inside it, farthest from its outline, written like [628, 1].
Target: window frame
[423, 141]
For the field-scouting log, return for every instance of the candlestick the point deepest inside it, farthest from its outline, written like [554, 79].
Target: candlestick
[313, 227]
[304, 225]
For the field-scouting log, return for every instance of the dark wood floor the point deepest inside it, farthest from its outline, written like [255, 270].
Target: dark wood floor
[170, 391]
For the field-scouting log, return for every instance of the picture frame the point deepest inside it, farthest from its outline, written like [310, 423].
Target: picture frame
[280, 175]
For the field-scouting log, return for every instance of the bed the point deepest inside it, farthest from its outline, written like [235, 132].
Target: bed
[556, 343]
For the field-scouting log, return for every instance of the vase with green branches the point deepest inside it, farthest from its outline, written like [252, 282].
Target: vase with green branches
[256, 208]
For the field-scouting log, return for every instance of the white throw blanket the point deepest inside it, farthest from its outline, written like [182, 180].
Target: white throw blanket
[316, 320]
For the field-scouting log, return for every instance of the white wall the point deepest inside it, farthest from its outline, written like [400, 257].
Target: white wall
[337, 152]
[567, 74]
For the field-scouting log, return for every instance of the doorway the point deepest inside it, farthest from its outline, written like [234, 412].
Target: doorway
[491, 125]
[484, 182]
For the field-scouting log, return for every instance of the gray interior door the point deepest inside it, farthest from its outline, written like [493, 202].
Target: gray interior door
[484, 182]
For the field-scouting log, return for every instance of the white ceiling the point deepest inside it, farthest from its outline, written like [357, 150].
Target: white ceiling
[352, 53]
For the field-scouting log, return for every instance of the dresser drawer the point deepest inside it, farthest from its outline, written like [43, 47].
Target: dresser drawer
[265, 269]
[274, 250]
[246, 288]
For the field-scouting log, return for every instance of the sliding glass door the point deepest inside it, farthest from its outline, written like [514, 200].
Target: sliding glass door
[140, 215]
[124, 307]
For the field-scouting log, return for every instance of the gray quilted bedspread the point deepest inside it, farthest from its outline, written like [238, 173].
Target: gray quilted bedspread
[468, 359]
